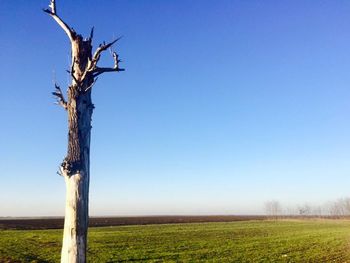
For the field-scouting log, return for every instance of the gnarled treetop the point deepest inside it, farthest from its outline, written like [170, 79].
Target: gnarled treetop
[84, 69]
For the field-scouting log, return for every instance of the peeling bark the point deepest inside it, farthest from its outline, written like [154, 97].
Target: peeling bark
[75, 168]
[76, 218]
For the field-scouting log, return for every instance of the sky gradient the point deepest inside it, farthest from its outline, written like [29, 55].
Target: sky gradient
[223, 105]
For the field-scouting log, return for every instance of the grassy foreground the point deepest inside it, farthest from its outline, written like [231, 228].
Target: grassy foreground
[249, 241]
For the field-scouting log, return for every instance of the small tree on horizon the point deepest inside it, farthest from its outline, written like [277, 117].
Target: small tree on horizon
[273, 209]
[75, 167]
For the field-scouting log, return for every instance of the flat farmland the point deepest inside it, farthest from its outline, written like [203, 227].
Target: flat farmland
[54, 223]
[240, 241]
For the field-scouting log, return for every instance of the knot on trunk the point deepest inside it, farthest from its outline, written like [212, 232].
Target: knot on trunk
[70, 167]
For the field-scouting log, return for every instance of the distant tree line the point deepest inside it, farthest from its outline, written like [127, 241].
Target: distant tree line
[337, 208]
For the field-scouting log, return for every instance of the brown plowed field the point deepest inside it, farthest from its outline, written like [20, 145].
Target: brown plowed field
[52, 223]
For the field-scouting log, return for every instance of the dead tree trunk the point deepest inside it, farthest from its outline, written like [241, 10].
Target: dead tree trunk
[75, 168]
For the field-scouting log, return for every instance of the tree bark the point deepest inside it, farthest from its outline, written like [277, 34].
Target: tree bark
[76, 218]
[76, 170]
[76, 166]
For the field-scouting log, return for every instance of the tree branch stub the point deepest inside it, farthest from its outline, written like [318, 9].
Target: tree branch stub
[59, 97]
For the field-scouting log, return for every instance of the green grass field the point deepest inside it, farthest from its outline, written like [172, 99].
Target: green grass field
[249, 241]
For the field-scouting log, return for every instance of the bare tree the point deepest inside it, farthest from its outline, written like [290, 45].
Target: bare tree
[317, 211]
[290, 211]
[75, 168]
[340, 207]
[335, 209]
[305, 210]
[273, 209]
[346, 204]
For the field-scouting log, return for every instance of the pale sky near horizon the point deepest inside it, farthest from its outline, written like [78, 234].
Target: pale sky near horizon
[223, 105]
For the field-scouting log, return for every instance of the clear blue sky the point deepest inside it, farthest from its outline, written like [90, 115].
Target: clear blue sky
[223, 106]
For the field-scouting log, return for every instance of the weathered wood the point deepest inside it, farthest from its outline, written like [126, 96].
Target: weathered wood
[75, 168]
[76, 218]
[76, 165]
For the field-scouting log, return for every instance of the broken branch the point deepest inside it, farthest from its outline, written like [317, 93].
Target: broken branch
[99, 50]
[69, 31]
[91, 34]
[59, 96]
[116, 68]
